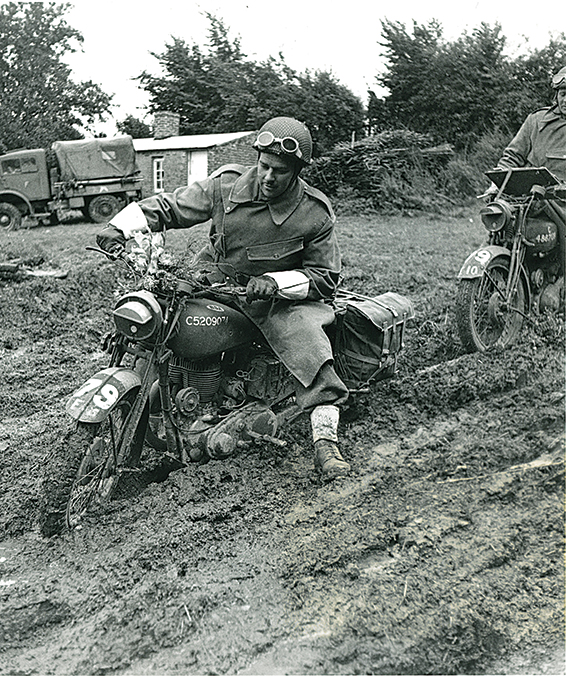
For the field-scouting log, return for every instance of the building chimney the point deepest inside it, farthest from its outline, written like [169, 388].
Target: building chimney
[165, 124]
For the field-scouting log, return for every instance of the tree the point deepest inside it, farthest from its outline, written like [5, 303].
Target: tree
[133, 127]
[218, 89]
[459, 91]
[39, 103]
[446, 89]
[331, 111]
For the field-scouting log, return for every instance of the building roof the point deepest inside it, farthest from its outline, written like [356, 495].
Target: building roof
[194, 142]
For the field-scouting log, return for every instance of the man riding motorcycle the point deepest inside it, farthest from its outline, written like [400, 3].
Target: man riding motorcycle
[541, 142]
[273, 233]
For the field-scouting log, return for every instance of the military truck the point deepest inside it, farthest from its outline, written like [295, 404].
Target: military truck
[96, 176]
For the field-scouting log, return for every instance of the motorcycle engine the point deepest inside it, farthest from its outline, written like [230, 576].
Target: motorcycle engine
[221, 403]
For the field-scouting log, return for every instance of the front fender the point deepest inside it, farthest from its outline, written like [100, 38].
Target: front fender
[16, 198]
[101, 393]
[476, 263]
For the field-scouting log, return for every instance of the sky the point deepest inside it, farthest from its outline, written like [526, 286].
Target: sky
[340, 37]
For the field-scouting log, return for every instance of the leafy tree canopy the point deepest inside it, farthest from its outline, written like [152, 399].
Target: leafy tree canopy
[39, 103]
[460, 90]
[133, 127]
[219, 89]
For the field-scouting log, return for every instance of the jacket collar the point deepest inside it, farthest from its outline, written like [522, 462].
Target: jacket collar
[550, 115]
[246, 189]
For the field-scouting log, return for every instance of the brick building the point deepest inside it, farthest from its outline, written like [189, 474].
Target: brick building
[168, 161]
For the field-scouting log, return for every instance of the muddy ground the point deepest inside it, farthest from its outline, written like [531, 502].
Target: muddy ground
[442, 553]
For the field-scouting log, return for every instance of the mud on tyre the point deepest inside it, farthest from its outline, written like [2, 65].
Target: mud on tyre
[483, 318]
[83, 468]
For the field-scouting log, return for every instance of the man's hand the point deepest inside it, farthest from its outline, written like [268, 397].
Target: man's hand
[111, 240]
[261, 288]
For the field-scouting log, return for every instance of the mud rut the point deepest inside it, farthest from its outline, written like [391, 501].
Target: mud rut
[442, 553]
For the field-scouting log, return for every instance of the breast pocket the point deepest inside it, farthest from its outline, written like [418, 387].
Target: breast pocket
[275, 251]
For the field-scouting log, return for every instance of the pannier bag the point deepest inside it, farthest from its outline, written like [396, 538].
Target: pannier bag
[369, 336]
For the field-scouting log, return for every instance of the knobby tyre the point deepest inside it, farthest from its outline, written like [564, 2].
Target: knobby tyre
[83, 470]
[483, 317]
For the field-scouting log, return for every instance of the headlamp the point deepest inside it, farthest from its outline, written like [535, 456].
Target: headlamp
[289, 145]
[138, 315]
[496, 215]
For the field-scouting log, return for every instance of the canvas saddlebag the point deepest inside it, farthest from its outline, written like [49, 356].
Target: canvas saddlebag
[369, 336]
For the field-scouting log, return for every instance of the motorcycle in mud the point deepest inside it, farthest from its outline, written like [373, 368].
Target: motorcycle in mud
[191, 378]
[517, 273]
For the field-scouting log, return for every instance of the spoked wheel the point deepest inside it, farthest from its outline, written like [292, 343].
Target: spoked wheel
[84, 470]
[96, 477]
[484, 317]
[155, 432]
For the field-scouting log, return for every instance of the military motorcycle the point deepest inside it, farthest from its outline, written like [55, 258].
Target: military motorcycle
[517, 273]
[191, 378]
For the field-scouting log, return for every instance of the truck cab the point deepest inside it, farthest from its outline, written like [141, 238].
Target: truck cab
[25, 172]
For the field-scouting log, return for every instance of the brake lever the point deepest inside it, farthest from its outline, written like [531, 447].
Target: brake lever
[108, 254]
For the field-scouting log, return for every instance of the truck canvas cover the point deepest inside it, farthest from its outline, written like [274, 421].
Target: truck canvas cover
[96, 158]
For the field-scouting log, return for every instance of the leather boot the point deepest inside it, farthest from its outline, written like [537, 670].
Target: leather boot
[329, 460]
[324, 422]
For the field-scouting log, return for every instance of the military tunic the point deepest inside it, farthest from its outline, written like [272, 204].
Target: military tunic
[540, 142]
[250, 237]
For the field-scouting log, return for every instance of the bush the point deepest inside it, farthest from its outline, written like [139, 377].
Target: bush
[400, 170]
[396, 170]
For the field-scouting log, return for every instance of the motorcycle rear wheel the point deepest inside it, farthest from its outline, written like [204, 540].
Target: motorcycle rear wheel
[483, 318]
[86, 471]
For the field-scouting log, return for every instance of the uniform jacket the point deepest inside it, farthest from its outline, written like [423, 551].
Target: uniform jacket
[249, 237]
[540, 142]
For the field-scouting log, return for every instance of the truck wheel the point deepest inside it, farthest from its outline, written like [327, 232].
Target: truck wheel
[103, 208]
[10, 216]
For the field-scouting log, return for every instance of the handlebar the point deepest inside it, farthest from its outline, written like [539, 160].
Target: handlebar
[112, 256]
[170, 283]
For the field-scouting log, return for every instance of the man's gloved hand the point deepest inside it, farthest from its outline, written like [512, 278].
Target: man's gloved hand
[111, 239]
[261, 288]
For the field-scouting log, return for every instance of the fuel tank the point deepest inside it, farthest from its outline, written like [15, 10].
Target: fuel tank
[542, 235]
[207, 327]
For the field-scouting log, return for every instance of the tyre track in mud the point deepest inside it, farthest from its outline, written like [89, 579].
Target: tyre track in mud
[253, 566]
[442, 553]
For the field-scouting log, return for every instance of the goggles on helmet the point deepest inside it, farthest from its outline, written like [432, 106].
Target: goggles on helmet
[559, 79]
[289, 145]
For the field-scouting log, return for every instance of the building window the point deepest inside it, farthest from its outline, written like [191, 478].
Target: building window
[158, 175]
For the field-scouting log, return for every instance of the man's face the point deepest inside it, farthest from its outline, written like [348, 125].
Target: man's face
[561, 96]
[275, 174]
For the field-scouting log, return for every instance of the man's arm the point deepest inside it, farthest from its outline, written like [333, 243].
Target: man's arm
[322, 262]
[517, 152]
[183, 208]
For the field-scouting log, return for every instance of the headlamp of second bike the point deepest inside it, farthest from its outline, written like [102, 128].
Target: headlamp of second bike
[138, 315]
[496, 215]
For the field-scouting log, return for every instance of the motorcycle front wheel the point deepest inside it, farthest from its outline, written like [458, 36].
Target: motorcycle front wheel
[485, 319]
[84, 470]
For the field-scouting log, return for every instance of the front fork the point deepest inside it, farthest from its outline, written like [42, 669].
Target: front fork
[174, 445]
[477, 265]
[102, 393]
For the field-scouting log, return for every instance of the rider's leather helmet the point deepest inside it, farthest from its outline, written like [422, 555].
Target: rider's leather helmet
[286, 137]
[559, 79]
